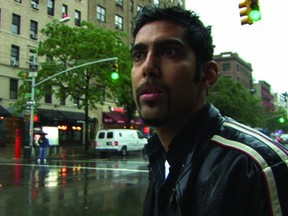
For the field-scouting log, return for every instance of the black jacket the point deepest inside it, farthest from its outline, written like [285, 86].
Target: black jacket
[218, 167]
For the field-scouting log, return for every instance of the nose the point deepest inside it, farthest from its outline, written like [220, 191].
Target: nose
[151, 66]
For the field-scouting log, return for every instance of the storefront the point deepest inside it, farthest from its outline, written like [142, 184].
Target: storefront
[7, 130]
[70, 125]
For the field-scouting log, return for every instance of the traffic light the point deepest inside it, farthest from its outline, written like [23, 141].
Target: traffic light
[114, 74]
[250, 11]
[281, 120]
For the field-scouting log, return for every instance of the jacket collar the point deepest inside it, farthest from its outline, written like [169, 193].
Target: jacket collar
[194, 133]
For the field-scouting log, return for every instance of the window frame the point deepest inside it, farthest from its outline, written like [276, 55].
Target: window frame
[16, 24]
[101, 14]
[13, 89]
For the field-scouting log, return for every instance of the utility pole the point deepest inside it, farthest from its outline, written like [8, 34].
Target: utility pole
[33, 75]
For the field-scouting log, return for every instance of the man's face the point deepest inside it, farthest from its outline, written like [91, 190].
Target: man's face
[163, 72]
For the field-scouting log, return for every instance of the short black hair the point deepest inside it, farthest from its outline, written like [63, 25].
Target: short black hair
[198, 36]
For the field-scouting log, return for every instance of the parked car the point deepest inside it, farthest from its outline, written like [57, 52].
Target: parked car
[283, 139]
[119, 140]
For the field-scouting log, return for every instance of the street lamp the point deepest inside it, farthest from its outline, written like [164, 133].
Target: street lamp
[33, 75]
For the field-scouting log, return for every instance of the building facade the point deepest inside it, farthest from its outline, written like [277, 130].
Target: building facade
[21, 22]
[263, 91]
[232, 66]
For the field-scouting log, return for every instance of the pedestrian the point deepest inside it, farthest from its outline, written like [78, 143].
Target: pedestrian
[43, 143]
[200, 162]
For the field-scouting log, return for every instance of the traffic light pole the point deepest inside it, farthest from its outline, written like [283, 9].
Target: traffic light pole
[33, 76]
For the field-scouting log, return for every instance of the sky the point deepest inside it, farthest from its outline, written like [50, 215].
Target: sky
[264, 44]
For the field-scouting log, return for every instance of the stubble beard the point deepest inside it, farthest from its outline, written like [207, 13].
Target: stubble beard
[156, 121]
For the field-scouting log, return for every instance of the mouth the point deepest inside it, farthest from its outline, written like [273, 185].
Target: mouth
[150, 93]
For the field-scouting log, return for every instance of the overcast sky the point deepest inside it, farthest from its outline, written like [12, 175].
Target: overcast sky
[263, 44]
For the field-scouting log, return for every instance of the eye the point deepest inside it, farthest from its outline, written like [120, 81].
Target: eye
[168, 52]
[138, 56]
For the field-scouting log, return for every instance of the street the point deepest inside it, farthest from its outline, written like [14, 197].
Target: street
[97, 186]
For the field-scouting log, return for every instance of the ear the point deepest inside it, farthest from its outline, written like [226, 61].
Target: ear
[210, 74]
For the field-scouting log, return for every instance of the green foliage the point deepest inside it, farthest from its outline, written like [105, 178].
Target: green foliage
[235, 101]
[65, 47]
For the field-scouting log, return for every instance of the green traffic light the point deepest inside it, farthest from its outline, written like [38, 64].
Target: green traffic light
[114, 76]
[281, 120]
[255, 15]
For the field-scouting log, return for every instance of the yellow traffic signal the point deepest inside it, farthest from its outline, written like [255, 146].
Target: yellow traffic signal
[115, 67]
[250, 11]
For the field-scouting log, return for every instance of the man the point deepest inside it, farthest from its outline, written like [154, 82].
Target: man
[200, 163]
[43, 146]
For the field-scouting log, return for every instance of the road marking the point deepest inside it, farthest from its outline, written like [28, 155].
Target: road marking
[82, 167]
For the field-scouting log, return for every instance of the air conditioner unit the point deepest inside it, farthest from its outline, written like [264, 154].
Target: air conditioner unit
[117, 26]
[14, 62]
[119, 3]
[35, 5]
[33, 35]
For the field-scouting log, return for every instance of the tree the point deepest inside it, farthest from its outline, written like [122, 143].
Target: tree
[66, 47]
[235, 101]
[272, 122]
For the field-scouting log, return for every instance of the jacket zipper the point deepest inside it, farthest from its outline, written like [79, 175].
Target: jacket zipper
[175, 197]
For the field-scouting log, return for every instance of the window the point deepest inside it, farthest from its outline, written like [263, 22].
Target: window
[16, 19]
[0, 17]
[33, 29]
[63, 100]
[131, 26]
[13, 88]
[76, 102]
[18, 1]
[35, 4]
[119, 3]
[101, 14]
[226, 66]
[15, 50]
[48, 98]
[140, 135]
[118, 22]
[77, 18]
[101, 135]
[64, 11]
[109, 135]
[50, 7]
[131, 5]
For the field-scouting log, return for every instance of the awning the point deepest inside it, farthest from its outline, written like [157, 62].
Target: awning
[137, 121]
[57, 115]
[76, 116]
[54, 115]
[114, 118]
[4, 112]
[119, 118]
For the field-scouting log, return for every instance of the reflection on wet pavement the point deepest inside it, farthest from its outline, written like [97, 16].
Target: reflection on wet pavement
[93, 187]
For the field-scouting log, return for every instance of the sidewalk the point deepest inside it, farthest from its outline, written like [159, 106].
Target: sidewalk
[66, 152]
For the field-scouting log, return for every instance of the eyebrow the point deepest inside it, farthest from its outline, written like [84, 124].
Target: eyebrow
[160, 43]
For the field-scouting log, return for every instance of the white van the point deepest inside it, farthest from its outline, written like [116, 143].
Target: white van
[119, 140]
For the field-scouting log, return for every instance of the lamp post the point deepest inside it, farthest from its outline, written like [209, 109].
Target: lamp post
[33, 76]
